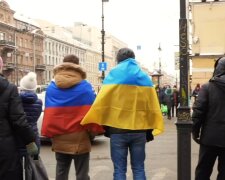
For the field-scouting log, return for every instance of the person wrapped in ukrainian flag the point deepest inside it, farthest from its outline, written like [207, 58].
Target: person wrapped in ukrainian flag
[127, 106]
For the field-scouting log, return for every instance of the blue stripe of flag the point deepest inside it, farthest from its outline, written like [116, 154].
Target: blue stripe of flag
[78, 95]
[128, 72]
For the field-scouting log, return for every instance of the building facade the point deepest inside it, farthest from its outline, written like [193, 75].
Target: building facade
[21, 46]
[207, 25]
[37, 45]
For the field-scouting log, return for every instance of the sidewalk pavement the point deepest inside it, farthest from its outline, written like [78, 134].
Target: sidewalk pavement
[161, 160]
[160, 164]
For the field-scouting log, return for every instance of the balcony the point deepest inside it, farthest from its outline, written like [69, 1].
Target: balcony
[9, 66]
[8, 45]
[40, 67]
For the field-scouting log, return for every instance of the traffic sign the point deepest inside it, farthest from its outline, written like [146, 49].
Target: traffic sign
[102, 66]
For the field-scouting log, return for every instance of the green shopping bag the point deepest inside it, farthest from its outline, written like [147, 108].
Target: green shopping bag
[164, 109]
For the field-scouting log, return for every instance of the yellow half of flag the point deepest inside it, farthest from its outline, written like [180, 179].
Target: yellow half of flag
[126, 107]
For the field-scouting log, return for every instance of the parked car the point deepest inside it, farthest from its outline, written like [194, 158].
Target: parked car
[40, 120]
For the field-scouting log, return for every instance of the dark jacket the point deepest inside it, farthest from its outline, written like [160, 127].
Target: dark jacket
[12, 124]
[12, 116]
[176, 97]
[33, 108]
[112, 130]
[209, 112]
[168, 97]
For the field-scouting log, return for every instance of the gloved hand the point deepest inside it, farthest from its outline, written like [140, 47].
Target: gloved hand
[32, 149]
[149, 135]
[196, 138]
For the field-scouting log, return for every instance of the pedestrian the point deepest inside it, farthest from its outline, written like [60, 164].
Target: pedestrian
[68, 98]
[128, 106]
[209, 124]
[168, 99]
[175, 101]
[196, 91]
[13, 125]
[31, 104]
[159, 93]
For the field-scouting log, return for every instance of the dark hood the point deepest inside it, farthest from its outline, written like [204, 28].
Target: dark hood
[219, 67]
[219, 73]
[3, 83]
[28, 97]
[219, 81]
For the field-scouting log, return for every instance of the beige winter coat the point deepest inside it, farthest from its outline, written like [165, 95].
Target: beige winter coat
[67, 75]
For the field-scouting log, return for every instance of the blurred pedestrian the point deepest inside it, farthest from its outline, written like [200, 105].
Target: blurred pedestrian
[31, 104]
[168, 99]
[128, 106]
[209, 124]
[196, 91]
[175, 101]
[13, 124]
[68, 98]
[159, 93]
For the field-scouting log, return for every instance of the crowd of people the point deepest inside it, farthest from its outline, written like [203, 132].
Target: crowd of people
[169, 98]
[127, 110]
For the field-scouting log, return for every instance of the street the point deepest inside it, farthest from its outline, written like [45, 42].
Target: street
[161, 158]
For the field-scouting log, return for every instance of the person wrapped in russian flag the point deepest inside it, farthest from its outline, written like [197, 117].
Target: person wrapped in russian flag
[127, 106]
[68, 98]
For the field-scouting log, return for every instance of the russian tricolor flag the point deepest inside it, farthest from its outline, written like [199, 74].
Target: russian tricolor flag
[65, 108]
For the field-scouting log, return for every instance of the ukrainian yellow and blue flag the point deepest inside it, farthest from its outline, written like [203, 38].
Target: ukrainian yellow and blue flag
[127, 100]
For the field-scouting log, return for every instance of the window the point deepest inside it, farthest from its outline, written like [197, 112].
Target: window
[2, 36]
[25, 43]
[21, 42]
[10, 38]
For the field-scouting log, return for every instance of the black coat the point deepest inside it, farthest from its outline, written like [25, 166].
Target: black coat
[33, 108]
[12, 124]
[209, 113]
[12, 117]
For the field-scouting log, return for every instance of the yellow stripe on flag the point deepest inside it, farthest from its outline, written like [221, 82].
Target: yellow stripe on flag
[126, 107]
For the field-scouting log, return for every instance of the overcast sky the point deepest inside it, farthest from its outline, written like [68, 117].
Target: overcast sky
[136, 22]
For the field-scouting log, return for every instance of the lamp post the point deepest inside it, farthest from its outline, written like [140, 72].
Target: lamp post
[156, 80]
[160, 66]
[103, 38]
[183, 123]
[156, 77]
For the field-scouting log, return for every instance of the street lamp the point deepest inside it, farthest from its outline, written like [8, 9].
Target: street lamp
[156, 80]
[184, 123]
[156, 77]
[160, 66]
[103, 38]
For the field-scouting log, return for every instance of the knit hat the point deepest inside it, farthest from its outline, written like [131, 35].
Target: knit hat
[124, 53]
[29, 82]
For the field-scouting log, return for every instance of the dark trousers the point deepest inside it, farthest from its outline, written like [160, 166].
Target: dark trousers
[169, 112]
[81, 163]
[207, 158]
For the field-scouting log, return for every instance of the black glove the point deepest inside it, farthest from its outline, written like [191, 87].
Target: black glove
[196, 138]
[149, 135]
